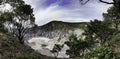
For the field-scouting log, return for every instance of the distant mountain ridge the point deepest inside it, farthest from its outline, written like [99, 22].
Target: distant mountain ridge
[54, 29]
[53, 25]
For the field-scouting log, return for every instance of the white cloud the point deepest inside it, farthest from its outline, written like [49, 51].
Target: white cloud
[92, 10]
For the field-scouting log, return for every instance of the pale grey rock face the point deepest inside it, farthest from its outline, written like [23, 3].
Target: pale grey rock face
[43, 41]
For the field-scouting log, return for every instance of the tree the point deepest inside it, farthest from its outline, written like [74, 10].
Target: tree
[96, 32]
[23, 20]
[5, 15]
[99, 30]
[19, 20]
[77, 46]
[56, 49]
[113, 15]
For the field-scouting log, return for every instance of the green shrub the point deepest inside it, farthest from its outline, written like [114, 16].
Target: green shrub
[100, 52]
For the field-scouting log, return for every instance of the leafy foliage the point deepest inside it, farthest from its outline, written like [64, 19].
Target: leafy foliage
[99, 30]
[100, 52]
[13, 3]
[113, 14]
[77, 46]
[95, 33]
[19, 20]
[24, 19]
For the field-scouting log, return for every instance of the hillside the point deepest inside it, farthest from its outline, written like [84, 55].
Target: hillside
[10, 48]
[56, 25]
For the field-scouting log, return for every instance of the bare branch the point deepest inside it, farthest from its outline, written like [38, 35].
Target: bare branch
[107, 2]
[84, 2]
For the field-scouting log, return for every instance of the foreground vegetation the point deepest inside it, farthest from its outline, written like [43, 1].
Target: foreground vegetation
[100, 40]
[11, 48]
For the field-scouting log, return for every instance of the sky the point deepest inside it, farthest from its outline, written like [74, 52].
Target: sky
[66, 10]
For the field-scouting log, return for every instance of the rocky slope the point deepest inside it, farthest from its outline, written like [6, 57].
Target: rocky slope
[55, 32]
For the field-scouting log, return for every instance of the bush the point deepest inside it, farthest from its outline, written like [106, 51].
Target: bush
[100, 52]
